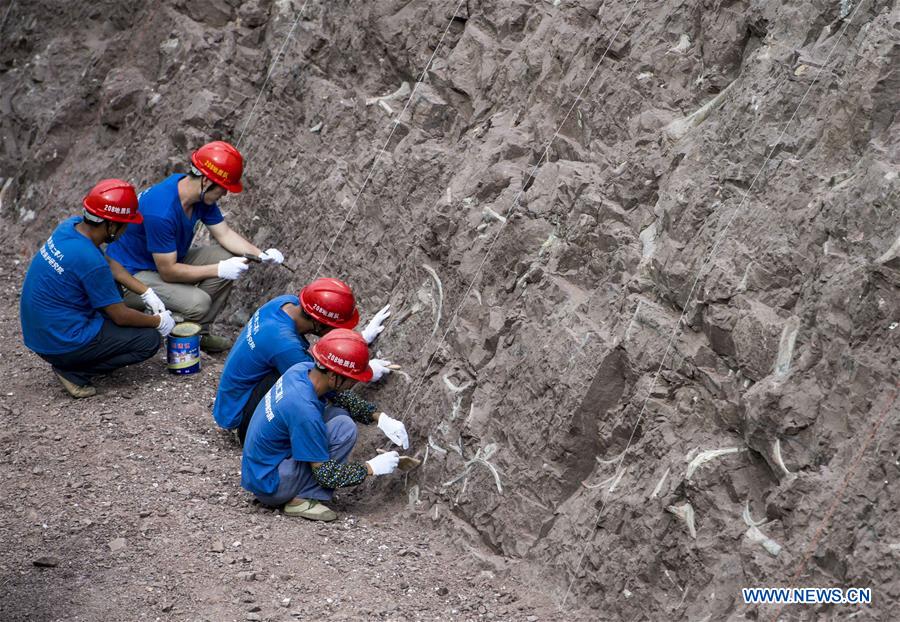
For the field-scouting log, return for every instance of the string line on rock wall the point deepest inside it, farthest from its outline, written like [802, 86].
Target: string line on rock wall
[275, 61]
[596, 523]
[415, 389]
[6, 14]
[381, 151]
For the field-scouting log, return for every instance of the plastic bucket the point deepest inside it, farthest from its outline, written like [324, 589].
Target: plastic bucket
[183, 348]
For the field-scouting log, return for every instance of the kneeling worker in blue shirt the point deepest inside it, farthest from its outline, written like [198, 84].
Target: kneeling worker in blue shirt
[296, 448]
[275, 339]
[71, 309]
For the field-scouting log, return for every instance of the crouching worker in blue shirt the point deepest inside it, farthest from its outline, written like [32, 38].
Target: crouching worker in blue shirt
[274, 340]
[71, 309]
[296, 449]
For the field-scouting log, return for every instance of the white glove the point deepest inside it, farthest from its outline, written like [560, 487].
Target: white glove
[374, 328]
[232, 268]
[394, 430]
[273, 255]
[379, 368]
[166, 323]
[384, 464]
[153, 302]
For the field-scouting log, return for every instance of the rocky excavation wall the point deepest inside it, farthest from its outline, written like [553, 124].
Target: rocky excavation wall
[762, 135]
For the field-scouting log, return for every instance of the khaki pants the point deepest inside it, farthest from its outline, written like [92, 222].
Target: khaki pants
[196, 302]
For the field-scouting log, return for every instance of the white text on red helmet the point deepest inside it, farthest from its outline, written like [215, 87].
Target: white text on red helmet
[324, 312]
[341, 362]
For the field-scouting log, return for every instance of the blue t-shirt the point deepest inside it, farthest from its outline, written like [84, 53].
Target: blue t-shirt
[287, 423]
[166, 228]
[67, 281]
[269, 342]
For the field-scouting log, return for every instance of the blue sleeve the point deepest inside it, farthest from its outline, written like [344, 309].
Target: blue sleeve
[212, 215]
[101, 288]
[161, 235]
[289, 357]
[309, 440]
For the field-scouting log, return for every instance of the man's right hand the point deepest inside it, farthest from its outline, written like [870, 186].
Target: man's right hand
[232, 269]
[384, 464]
[166, 323]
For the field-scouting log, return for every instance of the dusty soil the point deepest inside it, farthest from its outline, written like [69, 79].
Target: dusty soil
[705, 259]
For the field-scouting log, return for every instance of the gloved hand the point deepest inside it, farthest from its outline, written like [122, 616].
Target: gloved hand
[384, 464]
[232, 268]
[166, 323]
[374, 328]
[379, 368]
[394, 430]
[153, 302]
[273, 255]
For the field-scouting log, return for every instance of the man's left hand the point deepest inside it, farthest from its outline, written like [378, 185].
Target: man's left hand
[272, 255]
[153, 302]
[394, 430]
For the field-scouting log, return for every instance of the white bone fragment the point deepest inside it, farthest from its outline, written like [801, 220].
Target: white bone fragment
[679, 127]
[685, 512]
[385, 106]
[786, 346]
[616, 481]
[748, 519]
[705, 456]
[648, 242]
[456, 388]
[891, 253]
[549, 243]
[488, 212]
[481, 457]
[401, 92]
[599, 484]
[683, 45]
[755, 535]
[659, 484]
[611, 460]
[435, 446]
[776, 453]
[440, 300]
[455, 411]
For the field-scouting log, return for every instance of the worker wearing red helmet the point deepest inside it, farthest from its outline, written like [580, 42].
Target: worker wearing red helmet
[297, 446]
[71, 310]
[193, 282]
[275, 339]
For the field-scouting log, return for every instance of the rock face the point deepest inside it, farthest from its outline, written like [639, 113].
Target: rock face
[700, 254]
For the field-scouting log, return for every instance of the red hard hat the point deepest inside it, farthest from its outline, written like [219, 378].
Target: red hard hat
[222, 163]
[344, 352]
[113, 199]
[331, 302]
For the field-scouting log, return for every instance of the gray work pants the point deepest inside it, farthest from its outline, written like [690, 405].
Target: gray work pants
[296, 479]
[196, 302]
[114, 347]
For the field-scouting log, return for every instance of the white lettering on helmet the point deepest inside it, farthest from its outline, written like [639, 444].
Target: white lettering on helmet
[342, 362]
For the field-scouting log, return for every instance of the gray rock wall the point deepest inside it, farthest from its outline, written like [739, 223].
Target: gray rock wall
[719, 207]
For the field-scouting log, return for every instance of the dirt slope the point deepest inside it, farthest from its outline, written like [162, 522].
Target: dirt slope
[721, 205]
